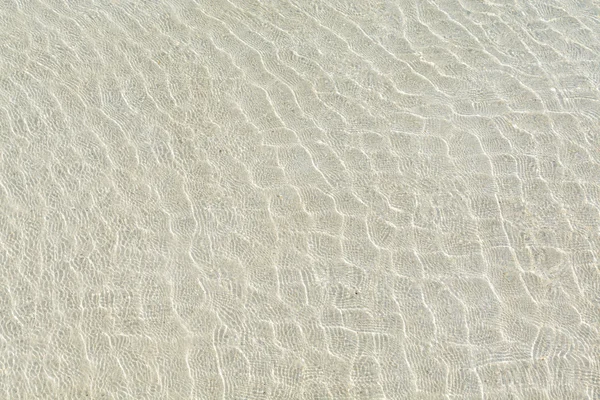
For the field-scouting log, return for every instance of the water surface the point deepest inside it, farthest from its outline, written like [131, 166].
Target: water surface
[299, 199]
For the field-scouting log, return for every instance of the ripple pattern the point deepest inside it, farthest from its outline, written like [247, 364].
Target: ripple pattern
[299, 199]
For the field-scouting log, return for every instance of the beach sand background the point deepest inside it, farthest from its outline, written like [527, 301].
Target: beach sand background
[299, 199]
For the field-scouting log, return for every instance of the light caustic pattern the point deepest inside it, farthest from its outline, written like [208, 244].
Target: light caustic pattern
[299, 199]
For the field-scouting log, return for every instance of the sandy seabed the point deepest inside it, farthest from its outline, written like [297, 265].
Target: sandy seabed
[299, 199]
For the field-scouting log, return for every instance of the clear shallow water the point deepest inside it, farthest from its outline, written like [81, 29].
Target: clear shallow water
[299, 200]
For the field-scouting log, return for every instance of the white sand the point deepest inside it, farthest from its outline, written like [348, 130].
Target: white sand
[299, 199]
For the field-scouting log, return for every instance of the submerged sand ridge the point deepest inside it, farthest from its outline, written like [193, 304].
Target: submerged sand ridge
[299, 200]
